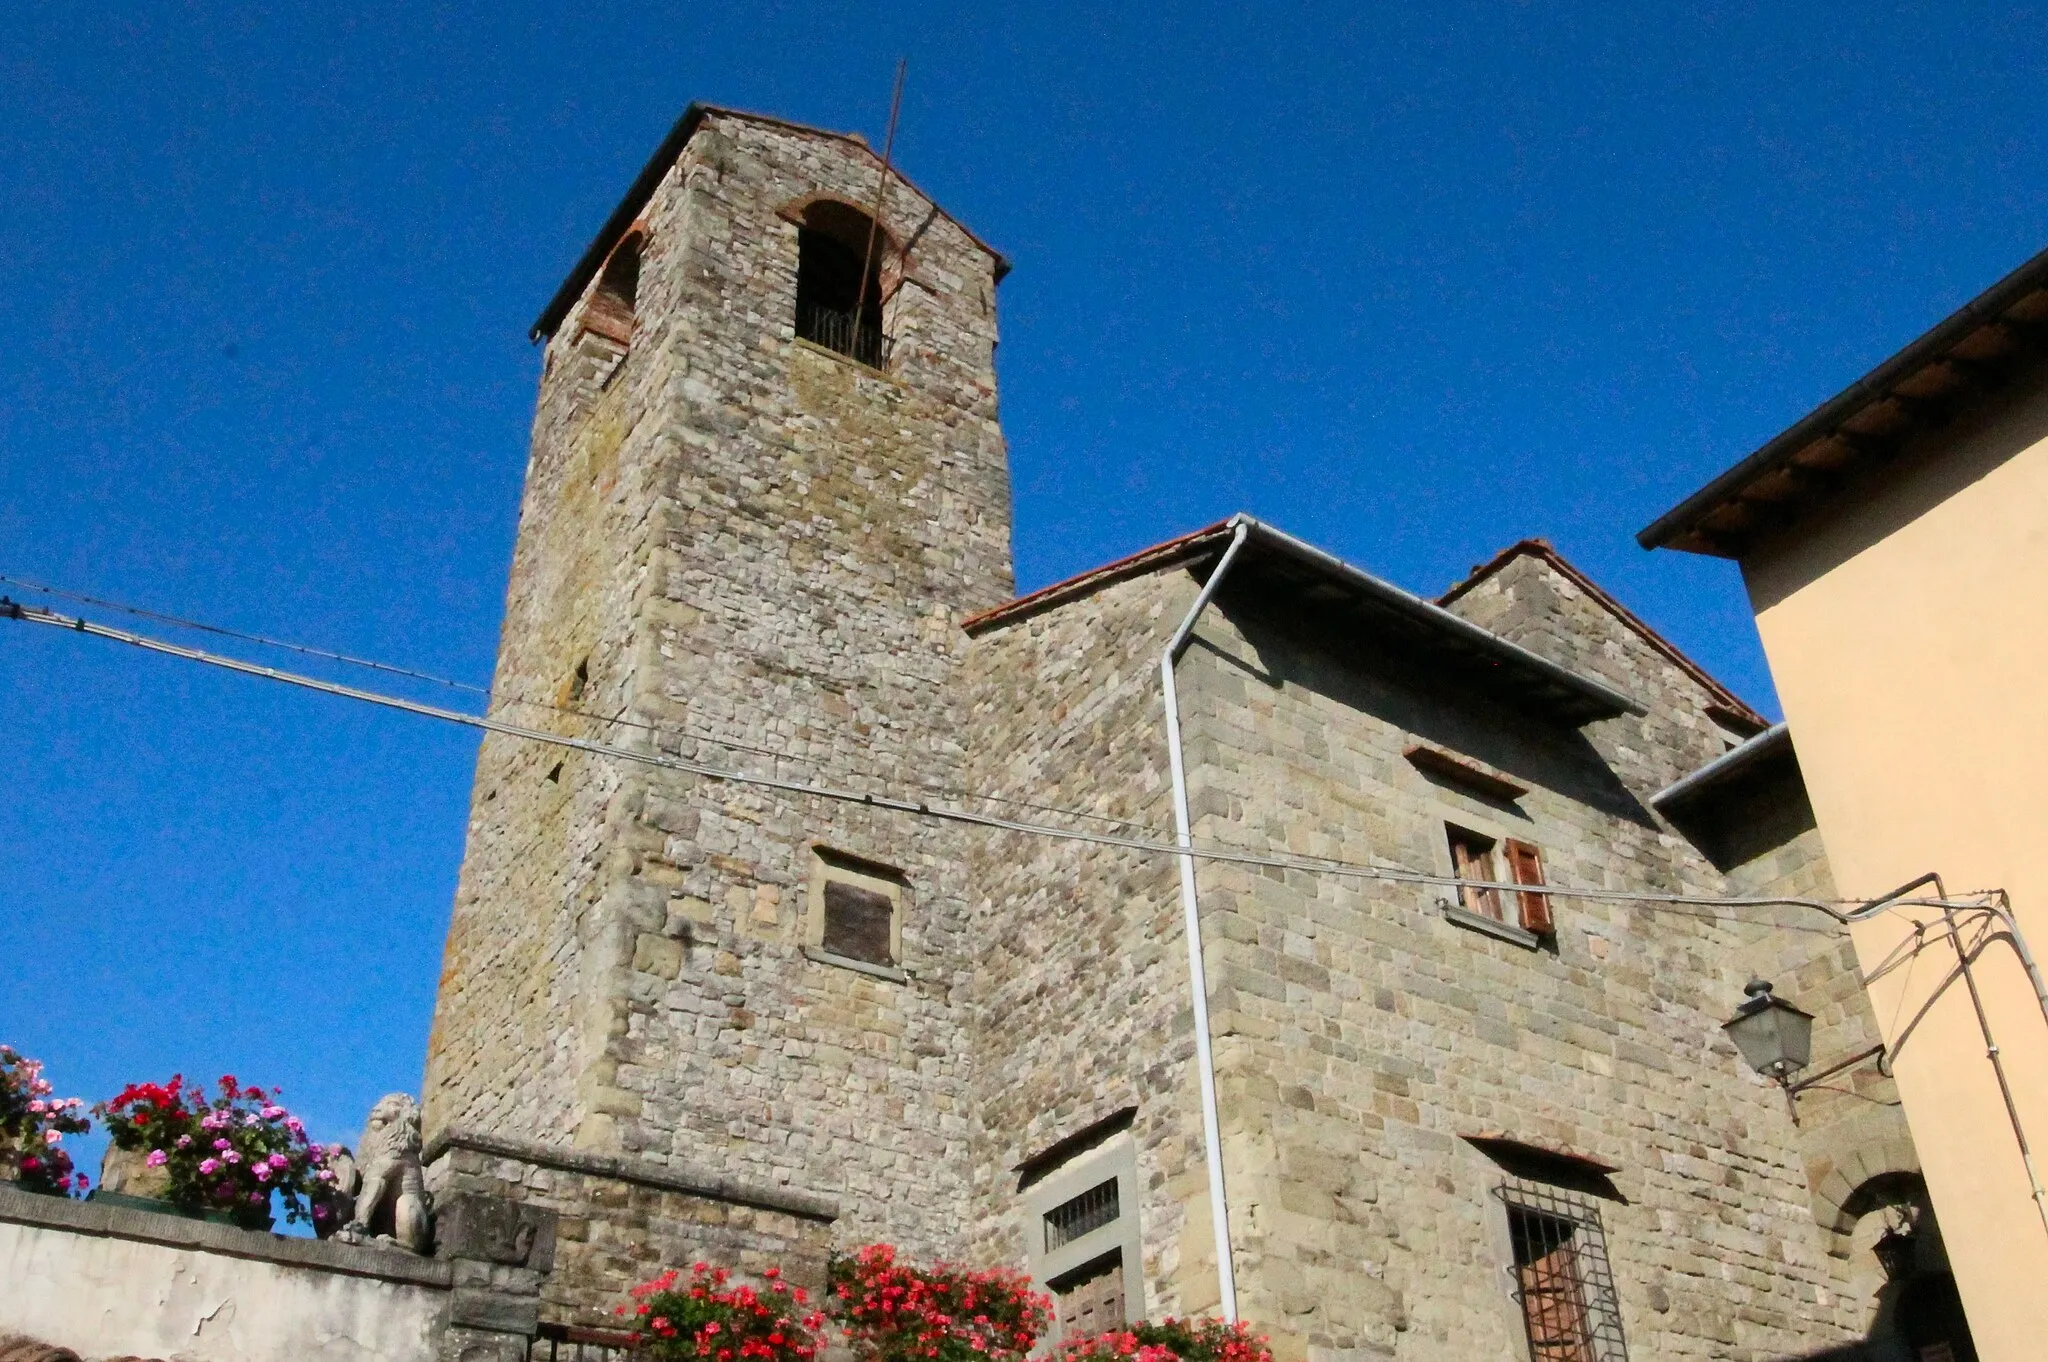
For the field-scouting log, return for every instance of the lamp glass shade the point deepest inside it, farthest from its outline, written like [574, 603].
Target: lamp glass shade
[1775, 1037]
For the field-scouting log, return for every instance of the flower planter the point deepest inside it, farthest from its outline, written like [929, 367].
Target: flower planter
[226, 1159]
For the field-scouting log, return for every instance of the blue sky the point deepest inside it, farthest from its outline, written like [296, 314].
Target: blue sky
[1410, 281]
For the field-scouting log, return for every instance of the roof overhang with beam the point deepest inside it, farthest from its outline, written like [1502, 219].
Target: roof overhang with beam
[1350, 602]
[1856, 434]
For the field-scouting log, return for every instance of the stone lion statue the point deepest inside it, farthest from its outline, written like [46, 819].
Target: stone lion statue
[391, 1202]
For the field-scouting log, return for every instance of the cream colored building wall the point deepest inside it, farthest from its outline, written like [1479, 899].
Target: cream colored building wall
[1908, 637]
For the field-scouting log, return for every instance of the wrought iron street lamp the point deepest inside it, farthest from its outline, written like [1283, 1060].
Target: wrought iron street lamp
[1777, 1040]
[1773, 1035]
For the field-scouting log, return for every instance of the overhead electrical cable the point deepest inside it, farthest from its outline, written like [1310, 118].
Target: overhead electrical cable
[493, 697]
[940, 812]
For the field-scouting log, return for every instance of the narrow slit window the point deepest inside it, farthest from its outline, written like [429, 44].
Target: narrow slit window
[1089, 1211]
[1472, 858]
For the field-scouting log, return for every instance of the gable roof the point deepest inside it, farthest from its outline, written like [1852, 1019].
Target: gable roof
[1280, 563]
[650, 177]
[1855, 434]
[1737, 710]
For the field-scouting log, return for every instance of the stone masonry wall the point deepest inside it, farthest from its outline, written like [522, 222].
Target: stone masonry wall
[1851, 1130]
[617, 1227]
[1081, 993]
[1360, 1034]
[792, 540]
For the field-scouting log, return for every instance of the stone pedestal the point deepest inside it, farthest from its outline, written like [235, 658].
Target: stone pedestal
[501, 1252]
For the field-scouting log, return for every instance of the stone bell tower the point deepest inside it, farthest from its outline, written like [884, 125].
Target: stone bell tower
[766, 484]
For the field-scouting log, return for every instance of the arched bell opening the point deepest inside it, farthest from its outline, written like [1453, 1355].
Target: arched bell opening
[841, 255]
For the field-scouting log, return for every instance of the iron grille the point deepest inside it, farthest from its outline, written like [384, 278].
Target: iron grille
[568, 1343]
[848, 333]
[1073, 1218]
[1562, 1278]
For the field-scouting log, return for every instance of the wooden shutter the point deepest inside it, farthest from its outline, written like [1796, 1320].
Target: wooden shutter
[1553, 1308]
[858, 923]
[1525, 866]
[1472, 859]
[1092, 1301]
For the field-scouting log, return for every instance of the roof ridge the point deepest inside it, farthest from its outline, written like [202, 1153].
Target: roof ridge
[1538, 547]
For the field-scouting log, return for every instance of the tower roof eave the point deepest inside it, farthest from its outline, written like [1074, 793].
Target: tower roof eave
[649, 179]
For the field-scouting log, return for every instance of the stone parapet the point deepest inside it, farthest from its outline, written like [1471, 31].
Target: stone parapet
[611, 1223]
[108, 1281]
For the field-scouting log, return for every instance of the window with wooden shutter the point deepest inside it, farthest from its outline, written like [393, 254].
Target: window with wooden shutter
[1525, 866]
[1472, 859]
[1080, 1212]
[858, 923]
[855, 913]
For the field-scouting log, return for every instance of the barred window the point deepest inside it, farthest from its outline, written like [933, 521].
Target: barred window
[1076, 1216]
[1562, 1278]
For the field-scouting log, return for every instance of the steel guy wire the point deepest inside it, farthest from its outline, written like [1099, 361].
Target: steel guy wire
[925, 809]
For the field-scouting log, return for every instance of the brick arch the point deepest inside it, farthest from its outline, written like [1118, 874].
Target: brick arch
[798, 211]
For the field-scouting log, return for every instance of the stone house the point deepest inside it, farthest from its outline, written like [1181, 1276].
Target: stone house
[861, 992]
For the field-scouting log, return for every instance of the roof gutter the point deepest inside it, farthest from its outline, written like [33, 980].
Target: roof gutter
[1729, 764]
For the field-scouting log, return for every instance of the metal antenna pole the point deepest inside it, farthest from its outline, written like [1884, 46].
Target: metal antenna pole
[867, 260]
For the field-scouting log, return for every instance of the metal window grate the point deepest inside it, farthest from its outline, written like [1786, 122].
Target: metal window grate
[857, 337]
[1562, 1278]
[1080, 1215]
[568, 1343]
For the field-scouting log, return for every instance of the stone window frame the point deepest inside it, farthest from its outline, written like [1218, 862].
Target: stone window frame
[1445, 818]
[1115, 1157]
[1588, 1274]
[830, 865]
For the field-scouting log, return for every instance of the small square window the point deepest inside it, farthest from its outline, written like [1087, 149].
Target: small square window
[858, 923]
[856, 911]
[1475, 856]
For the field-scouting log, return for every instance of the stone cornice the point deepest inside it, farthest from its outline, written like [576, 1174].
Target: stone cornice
[640, 1172]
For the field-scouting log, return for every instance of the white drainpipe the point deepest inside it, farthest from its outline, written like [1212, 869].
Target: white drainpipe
[1198, 983]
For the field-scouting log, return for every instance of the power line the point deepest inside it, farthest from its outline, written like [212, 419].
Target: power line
[182, 623]
[924, 808]
[492, 697]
